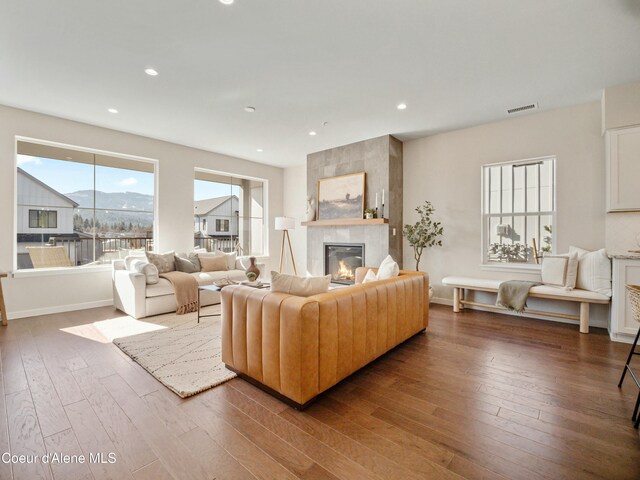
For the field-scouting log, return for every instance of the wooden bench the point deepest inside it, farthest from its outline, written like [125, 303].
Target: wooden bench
[583, 297]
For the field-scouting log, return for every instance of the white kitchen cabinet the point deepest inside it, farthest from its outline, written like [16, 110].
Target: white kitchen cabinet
[626, 270]
[623, 169]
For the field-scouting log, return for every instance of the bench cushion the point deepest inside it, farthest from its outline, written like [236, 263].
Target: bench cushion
[541, 291]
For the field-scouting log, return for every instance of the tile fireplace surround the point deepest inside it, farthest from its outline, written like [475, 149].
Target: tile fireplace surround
[381, 159]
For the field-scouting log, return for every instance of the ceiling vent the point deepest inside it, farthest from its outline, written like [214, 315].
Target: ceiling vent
[522, 108]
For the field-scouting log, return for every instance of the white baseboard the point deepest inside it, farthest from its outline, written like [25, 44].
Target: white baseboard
[622, 337]
[598, 323]
[58, 309]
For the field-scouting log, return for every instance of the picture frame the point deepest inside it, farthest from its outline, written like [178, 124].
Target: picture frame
[341, 197]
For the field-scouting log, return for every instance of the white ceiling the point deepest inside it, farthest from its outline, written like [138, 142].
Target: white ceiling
[302, 62]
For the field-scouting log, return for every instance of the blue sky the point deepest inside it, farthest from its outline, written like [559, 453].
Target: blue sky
[69, 177]
[204, 190]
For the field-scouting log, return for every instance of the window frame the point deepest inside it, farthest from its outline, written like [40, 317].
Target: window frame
[485, 264]
[39, 216]
[26, 272]
[265, 208]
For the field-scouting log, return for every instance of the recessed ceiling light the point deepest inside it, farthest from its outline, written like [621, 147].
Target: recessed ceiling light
[151, 72]
[226, 2]
[249, 109]
[259, 150]
[112, 110]
[312, 133]
[402, 106]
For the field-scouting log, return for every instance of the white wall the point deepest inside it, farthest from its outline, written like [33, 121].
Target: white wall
[445, 169]
[295, 197]
[174, 178]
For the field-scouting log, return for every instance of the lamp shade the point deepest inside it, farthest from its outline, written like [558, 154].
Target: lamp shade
[285, 223]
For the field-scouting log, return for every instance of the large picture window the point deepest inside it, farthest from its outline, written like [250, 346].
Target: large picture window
[229, 213]
[518, 211]
[80, 208]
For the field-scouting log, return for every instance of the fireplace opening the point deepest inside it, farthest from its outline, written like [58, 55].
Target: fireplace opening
[341, 261]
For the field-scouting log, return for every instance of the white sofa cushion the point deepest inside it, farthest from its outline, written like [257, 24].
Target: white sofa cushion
[370, 277]
[594, 270]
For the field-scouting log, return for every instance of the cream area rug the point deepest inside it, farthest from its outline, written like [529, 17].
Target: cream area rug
[182, 354]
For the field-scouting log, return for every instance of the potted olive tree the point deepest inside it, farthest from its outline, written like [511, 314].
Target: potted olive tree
[425, 233]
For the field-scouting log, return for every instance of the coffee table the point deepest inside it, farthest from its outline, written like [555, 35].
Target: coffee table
[215, 288]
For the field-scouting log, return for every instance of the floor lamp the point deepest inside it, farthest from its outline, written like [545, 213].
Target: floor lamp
[285, 224]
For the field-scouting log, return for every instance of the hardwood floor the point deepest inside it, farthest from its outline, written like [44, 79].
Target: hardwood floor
[479, 396]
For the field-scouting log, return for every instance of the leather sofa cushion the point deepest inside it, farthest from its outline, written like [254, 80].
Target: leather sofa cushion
[163, 287]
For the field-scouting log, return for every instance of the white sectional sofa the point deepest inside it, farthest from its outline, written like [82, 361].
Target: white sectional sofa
[133, 296]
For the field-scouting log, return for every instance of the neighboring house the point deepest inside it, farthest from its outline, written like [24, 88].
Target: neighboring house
[41, 209]
[217, 217]
[42, 212]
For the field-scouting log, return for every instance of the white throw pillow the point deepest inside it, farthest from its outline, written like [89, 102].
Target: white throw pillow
[388, 269]
[149, 270]
[560, 270]
[231, 258]
[299, 286]
[594, 270]
[370, 277]
[130, 258]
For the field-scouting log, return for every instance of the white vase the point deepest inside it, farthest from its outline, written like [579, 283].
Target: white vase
[430, 293]
[310, 212]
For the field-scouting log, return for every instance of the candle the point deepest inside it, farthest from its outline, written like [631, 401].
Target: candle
[376, 200]
[383, 196]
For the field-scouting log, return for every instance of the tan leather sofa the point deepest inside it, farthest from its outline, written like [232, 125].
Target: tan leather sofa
[296, 348]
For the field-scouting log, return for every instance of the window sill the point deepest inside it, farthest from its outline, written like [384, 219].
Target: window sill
[51, 272]
[515, 268]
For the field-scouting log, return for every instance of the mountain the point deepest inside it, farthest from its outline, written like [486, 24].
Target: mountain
[113, 206]
[114, 200]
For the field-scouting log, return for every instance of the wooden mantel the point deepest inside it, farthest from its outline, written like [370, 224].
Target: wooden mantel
[341, 222]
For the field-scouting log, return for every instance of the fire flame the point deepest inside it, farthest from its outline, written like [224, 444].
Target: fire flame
[344, 272]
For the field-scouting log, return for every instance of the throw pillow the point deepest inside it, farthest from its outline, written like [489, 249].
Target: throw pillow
[130, 258]
[370, 277]
[560, 270]
[149, 270]
[165, 262]
[388, 269]
[594, 270]
[299, 286]
[214, 263]
[231, 258]
[193, 258]
[185, 265]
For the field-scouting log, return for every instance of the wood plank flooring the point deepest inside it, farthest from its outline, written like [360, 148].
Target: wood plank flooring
[479, 396]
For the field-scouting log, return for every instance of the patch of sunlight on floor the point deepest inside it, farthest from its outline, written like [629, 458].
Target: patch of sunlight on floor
[105, 331]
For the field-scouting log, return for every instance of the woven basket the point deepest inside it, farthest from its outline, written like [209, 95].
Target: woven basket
[634, 298]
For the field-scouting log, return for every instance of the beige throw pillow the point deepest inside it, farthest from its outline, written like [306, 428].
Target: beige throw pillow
[213, 264]
[164, 262]
[560, 270]
[299, 286]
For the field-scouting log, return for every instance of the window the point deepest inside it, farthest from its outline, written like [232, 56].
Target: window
[229, 213]
[93, 207]
[43, 219]
[518, 211]
[222, 225]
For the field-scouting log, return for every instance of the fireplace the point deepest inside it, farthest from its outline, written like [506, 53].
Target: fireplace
[341, 261]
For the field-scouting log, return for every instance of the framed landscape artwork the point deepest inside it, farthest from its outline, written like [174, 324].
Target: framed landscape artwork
[341, 197]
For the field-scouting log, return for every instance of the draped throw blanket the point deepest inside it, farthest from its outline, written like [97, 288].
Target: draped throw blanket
[513, 294]
[185, 288]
